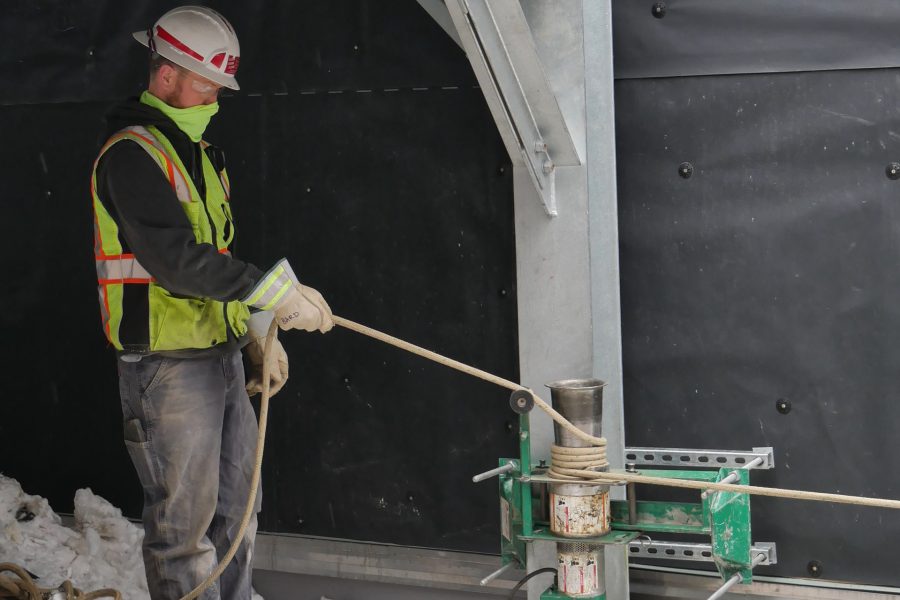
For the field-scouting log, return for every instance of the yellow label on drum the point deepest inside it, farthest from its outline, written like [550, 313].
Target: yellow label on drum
[579, 516]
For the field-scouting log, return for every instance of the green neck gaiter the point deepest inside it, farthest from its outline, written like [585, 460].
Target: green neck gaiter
[192, 121]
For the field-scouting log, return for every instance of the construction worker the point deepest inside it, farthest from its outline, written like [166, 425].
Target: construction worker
[176, 305]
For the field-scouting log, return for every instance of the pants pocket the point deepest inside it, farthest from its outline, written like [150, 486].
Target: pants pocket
[142, 458]
[151, 370]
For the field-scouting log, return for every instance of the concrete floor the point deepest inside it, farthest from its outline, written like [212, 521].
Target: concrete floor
[289, 567]
[273, 585]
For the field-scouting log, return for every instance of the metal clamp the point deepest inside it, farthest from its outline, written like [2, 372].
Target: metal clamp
[767, 549]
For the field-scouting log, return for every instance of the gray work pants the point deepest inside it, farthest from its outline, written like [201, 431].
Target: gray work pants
[191, 433]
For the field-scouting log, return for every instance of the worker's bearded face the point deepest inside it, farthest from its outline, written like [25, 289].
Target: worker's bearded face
[190, 90]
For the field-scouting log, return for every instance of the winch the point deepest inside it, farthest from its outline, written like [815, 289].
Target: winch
[579, 516]
[567, 502]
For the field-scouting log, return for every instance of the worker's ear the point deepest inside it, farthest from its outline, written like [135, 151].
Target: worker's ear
[168, 76]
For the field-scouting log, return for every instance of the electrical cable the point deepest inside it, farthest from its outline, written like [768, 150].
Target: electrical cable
[524, 580]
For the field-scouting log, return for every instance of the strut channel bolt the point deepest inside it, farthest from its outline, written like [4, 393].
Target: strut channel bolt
[735, 578]
[631, 495]
[510, 466]
[733, 476]
[497, 573]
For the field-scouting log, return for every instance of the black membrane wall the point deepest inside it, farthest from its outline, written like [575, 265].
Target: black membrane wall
[360, 149]
[772, 273]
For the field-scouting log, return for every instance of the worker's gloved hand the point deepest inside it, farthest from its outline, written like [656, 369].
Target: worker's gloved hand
[303, 308]
[258, 328]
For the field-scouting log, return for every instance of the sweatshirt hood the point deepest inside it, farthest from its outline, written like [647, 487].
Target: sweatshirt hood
[134, 112]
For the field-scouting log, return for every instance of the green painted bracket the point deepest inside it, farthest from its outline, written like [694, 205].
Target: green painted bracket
[512, 546]
[668, 517]
[681, 474]
[516, 518]
[730, 522]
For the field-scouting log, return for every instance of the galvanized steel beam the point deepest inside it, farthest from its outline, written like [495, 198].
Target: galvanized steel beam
[498, 42]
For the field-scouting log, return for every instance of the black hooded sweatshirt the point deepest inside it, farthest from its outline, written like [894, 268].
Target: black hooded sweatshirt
[152, 224]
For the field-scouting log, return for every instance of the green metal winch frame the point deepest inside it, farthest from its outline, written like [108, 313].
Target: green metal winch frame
[722, 518]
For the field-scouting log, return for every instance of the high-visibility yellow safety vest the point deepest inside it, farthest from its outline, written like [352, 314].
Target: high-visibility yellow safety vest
[174, 323]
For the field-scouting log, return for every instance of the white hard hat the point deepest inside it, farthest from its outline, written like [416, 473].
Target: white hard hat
[198, 39]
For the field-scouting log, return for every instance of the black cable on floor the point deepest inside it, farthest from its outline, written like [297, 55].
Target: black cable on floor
[525, 579]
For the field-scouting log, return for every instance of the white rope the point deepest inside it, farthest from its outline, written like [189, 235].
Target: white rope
[268, 356]
[751, 489]
[454, 364]
[577, 463]
[601, 442]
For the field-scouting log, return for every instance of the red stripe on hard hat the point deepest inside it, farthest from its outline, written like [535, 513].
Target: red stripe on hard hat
[232, 66]
[165, 35]
[217, 60]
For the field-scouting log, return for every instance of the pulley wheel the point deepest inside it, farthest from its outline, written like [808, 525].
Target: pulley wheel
[521, 401]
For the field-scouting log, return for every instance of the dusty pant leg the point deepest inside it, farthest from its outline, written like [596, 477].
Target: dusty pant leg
[238, 459]
[173, 411]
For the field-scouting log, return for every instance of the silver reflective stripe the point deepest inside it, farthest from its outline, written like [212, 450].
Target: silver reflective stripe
[103, 312]
[272, 287]
[271, 290]
[225, 187]
[181, 186]
[117, 269]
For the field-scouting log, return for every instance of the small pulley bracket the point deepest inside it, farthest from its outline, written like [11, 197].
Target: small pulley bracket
[521, 401]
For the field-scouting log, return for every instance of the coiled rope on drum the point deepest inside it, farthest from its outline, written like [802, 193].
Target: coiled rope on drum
[578, 463]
